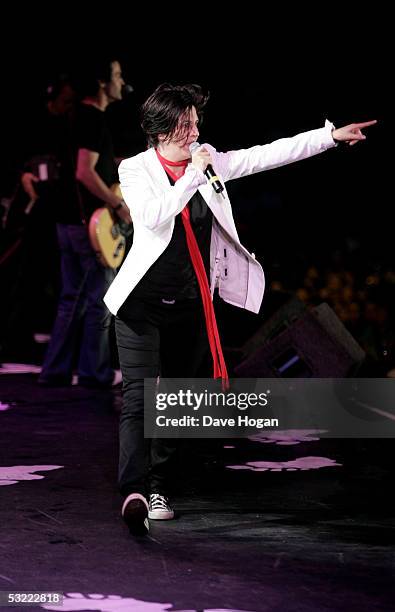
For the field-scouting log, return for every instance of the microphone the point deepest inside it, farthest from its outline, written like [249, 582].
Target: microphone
[209, 171]
[127, 89]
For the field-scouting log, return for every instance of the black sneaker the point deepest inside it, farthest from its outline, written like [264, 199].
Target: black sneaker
[135, 514]
[159, 508]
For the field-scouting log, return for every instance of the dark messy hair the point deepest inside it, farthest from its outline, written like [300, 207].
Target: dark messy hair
[161, 111]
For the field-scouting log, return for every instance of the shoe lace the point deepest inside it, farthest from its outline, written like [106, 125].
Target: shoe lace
[159, 502]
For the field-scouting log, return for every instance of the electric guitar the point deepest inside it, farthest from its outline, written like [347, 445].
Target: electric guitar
[108, 234]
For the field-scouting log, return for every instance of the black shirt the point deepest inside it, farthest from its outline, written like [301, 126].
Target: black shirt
[50, 148]
[92, 133]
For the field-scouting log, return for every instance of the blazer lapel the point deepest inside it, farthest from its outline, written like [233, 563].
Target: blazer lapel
[155, 168]
[221, 208]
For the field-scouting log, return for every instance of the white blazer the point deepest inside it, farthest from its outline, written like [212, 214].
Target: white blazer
[154, 203]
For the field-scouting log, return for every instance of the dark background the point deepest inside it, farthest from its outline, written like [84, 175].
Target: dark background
[269, 77]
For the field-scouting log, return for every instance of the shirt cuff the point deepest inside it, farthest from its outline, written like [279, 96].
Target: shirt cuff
[329, 127]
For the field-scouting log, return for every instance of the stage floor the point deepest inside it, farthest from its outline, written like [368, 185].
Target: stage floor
[284, 524]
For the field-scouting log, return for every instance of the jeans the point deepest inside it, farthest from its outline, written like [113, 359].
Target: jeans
[81, 310]
[170, 341]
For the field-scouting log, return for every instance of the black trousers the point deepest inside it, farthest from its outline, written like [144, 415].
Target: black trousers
[168, 340]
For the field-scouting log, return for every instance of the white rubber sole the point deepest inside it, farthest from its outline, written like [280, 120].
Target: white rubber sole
[136, 516]
[160, 515]
[133, 496]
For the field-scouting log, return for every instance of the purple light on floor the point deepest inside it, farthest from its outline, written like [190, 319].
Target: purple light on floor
[301, 463]
[287, 437]
[16, 473]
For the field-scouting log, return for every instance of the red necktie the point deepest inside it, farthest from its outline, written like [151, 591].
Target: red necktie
[220, 370]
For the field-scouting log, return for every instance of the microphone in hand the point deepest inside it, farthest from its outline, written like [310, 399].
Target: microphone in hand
[209, 171]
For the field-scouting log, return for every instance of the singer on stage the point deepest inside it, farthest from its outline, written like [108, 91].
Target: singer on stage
[185, 246]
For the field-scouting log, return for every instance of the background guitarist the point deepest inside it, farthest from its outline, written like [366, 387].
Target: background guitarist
[84, 279]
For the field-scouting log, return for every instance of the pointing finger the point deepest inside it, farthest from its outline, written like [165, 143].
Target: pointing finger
[365, 124]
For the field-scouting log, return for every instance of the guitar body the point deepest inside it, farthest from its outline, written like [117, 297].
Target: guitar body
[107, 236]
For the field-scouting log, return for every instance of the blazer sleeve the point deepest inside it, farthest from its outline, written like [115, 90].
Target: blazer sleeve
[235, 164]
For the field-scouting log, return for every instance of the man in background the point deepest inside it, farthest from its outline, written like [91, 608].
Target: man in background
[82, 314]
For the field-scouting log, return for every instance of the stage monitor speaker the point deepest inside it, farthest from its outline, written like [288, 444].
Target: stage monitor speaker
[315, 344]
[282, 319]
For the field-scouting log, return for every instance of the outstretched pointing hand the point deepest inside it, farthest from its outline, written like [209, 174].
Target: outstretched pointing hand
[352, 133]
